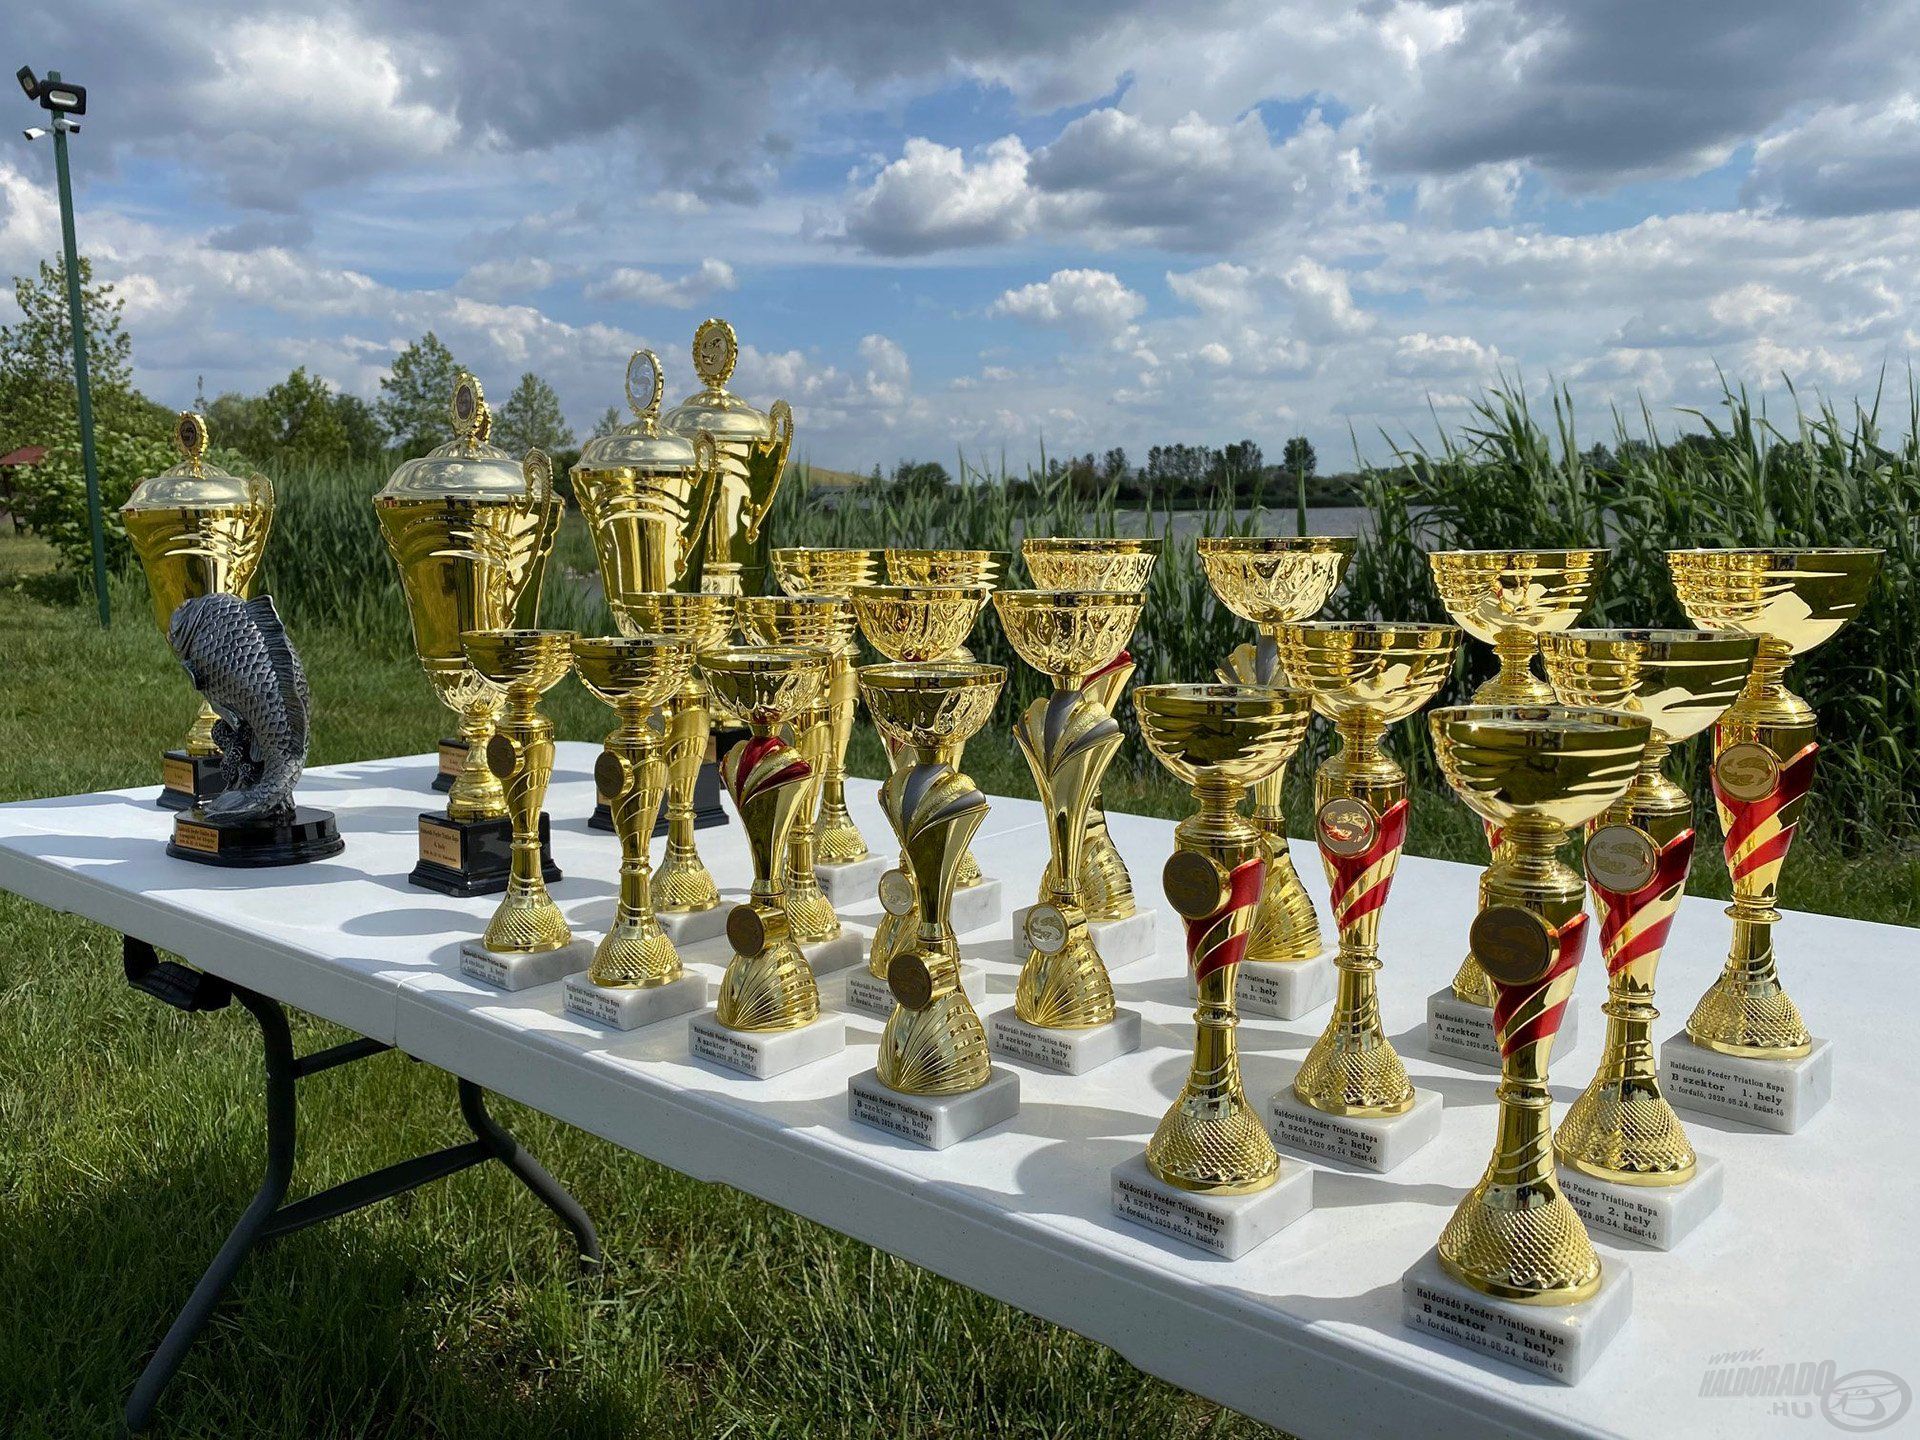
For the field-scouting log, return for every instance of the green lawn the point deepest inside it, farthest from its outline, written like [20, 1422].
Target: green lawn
[131, 1136]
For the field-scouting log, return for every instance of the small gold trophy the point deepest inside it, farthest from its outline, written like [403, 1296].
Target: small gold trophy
[1535, 771]
[1273, 581]
[1098, 563]
[946, 567]
[198, 530]
[1763, 749]
[1364, 677]
[682, 885]
[803, 571]
[1508, 599]
[1622, 1129]
[813, 622]
[471, 530]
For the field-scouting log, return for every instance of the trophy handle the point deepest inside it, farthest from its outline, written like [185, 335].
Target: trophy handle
[706, 466]
[260, 492]
[536, 471]
[778, 443]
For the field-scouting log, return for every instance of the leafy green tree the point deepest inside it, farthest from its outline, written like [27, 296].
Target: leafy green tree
[608, 422]
[301, 416]
[361, 425]
[414, 396]
[532, 419]
[1299, 461]
[240, 423]
[36, 357]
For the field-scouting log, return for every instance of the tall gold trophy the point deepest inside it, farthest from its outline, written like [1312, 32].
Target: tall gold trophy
[934, 1083]
[1536, 771]
[1621, 1129]
[1117, 562]
[1272, 581]
[198, 530]
[470, 529]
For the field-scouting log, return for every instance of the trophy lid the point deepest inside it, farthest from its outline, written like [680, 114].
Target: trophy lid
[196, 482]
[640, 445]
[467, 467]
[716, 409]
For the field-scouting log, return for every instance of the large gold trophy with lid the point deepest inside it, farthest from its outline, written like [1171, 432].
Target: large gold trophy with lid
[471, 529]
[198, 530]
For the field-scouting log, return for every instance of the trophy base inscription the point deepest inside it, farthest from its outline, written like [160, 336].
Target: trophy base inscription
[976, 907]
[252, 844]
[1064, 1052]
[453, 759]
[1367, 1142]
[1284, 989]
[1120, 942]
[472, 857]
[1777, 1095]
[1658, 1216]
[630, 1007]
[1460, 1030]
[762, 1054]
[827, 957]
[707, 809]
[935, 1121]
[1223, 1225]
[855, 883]
[506, 971]
[1560, 1342]
[867, 993]
[690, 927]
[186, 780]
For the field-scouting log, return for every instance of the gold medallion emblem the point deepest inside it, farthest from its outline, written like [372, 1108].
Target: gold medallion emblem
[1195, 884]
[746, 931]
[502, 757]
[1747, 771]
[190, 435]
[910, 981]
[896, 893]
[715, 351]
[1047, 929]
[467, 407]
[1621, 858]
[609, 776]
[644, 379]
[1512, 944]
[1348, 825]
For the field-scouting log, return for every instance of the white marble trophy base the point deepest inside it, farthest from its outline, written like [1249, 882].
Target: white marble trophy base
[763, 1054]
[935, 1121]
[522, 972]
[976, 908]
[1284, 989]
[1120, 942]
[1461, 1030]
[1065, 1052]
[1223, 1225]
[854, 883]
[629, 1007]
[1376, 1143]
[1560, 1342]
[828, 956]
[869, 994]
[693, 926]
[1777, 1095]
[1658, 1216]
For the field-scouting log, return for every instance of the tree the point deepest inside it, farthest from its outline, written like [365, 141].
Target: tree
[361, 426]
[414, 396]
[36, 357]
[532, 419]
[1113, 465]
[920, 477]
[608, 422]
[301, 417]
[1299, 461]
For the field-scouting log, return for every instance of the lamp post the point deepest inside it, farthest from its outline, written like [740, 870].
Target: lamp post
[63, 102]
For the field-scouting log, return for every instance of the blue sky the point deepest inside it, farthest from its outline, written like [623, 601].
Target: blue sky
[990, 226]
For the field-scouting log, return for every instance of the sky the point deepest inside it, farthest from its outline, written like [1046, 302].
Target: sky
[988, 227]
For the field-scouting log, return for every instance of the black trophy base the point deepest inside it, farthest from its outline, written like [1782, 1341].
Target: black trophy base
[186, 780]
[473, 857]
[307, 835]
[707, 809]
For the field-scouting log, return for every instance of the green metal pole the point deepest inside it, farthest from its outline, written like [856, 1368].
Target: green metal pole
[76, 319]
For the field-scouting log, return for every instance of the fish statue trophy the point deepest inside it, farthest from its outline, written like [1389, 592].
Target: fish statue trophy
[1508, 599]
[1622, 1129]
[1122, 562]
[750, 458]
[470, 529]
[1536, 771]
[237, 655]
[198, 530]
[805, 571]
[1271, 581]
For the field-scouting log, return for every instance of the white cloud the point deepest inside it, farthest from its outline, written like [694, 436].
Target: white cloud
[1087, 302]
[1222, 289]
[1842, 160]
[1421, 356]
[646, 287]
[497, 279]
[934, 198]
[1323, 307]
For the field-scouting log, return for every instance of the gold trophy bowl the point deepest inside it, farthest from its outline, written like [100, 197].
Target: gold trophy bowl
[933, 1043]
[1270, 581]
[1069, 739]
[1638, 852]
[1218, 740]
[1763, 756]
[804, 570]
[945, 567]
[1095, 562]
[1536, 771]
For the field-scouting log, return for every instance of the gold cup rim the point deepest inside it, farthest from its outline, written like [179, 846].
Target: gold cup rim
[1094, 544]
[1777, 552]
[1275, 544]
[1373, 627]
[931, 674]
[1039, 599]
[647, 642]
[1548, 718]
[760, 659]
[1273, 699]
[1597, 552]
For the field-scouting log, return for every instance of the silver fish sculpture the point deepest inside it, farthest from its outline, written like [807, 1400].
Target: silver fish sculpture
[237, 654]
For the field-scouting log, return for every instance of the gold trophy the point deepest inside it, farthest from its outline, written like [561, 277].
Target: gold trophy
[1364, 677]
[470, 529]
[1622, 1129]
[1536, 771]
[682, 885]
[1508, 599]
[198, 530]
[1069, 739]
[1763, 751]
[945, 567]
[1273, 581]
[750, 448]
[934, 1082]
[1098, 563]
[523, 665]
[803, 571]
[812, 622]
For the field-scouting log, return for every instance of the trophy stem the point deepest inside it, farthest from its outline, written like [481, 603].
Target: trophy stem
[809, 911]
[1106, 889]
[1286, 929]
[476, 793]
[200, 733]
[683, 885]
[635, 951]
[1516, 683]
[840, 841]
[768, 984]
[521, 758]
